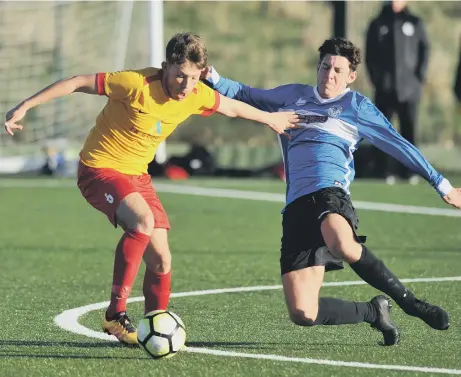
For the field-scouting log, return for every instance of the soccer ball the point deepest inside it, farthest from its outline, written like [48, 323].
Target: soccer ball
[161, 334]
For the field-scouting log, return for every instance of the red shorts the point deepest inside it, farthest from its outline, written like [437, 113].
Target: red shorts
[105, 188]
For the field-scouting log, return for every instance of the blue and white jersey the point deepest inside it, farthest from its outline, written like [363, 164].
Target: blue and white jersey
[320, 154]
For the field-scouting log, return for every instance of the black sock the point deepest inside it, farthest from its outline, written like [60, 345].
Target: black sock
[374, 272]
[333, 311]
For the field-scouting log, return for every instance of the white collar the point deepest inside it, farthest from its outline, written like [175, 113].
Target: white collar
[326, 100]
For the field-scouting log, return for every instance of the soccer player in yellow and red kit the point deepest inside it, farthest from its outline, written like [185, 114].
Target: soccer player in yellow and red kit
[143, 108]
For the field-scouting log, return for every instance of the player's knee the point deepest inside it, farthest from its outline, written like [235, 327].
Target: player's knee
[164, 263]
[159, 261]
[302, 317]
[160, 268]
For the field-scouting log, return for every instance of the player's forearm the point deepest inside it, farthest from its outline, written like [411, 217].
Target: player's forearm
[242, 110]
[60, 89]
[55, 90]
[410, 156]
[373, 126]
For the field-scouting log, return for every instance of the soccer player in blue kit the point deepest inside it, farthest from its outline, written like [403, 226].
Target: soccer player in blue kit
[319, 221]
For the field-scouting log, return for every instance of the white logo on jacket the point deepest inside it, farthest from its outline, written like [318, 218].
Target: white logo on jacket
[408, 29]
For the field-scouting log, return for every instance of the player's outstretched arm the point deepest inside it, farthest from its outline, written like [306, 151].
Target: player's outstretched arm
[373, 126]
[82, 83]
[277, 121]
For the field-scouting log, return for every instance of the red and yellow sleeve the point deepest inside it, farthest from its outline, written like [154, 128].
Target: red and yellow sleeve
[119, 85]
[208, 100]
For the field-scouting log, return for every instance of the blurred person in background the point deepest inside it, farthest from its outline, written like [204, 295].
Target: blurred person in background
[396, 57]
[457, 87]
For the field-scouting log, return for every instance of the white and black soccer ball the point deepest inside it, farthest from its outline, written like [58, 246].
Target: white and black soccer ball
[161, 334]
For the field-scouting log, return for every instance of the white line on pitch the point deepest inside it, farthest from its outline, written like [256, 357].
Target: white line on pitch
[241, 194]
[68, 320]
[271, 197]
[335, 363]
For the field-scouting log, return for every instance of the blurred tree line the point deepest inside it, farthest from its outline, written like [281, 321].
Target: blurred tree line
[265, 44]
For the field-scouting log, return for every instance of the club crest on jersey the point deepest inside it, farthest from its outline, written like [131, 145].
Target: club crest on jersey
[300, 102]
[335, 111]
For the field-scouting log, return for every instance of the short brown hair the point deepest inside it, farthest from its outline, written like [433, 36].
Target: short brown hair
[342, 47]
[187, 46]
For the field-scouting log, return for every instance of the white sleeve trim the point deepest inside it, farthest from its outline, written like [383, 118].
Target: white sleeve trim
[214, 76]
[444, 187]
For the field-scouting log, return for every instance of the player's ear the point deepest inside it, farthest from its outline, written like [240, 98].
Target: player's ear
[164, 66]
[352, 77]
[205, 73]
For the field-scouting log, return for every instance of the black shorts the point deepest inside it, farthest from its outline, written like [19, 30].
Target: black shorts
[302, 241]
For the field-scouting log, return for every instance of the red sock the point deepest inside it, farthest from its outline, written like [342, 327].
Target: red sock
[128, 257]
[156, 289]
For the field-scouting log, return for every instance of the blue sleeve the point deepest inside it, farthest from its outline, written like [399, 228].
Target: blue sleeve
[263, 99]
[373, 126]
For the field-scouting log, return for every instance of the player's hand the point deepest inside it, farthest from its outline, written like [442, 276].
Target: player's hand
[453, 198]
[12, 117]
[282, 121]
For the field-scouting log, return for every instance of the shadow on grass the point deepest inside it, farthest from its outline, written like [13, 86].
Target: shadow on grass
[56, 356]
[68, 344]
[11, 353]
[47, 343]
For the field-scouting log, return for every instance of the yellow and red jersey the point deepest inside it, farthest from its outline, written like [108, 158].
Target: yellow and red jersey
[138, 116]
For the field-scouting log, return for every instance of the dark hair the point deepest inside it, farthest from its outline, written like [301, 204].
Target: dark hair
[187, 46]
[342, 47]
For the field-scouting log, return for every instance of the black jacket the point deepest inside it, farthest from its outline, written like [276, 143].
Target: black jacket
[397, 52]
[458, 79]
